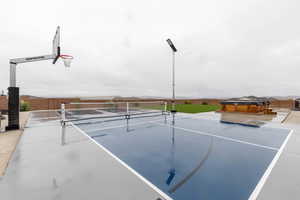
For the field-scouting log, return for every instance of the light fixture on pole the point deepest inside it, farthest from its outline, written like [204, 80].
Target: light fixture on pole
[173, 73]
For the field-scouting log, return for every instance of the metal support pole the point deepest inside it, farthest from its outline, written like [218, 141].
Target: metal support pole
[165, 107]
[173, 82]
[165, 111]
[12, 74]
[127, 108]
[13, 90]
[13, 99]
[63, 134]
[63, 124]
[173, 110]
[63, 113]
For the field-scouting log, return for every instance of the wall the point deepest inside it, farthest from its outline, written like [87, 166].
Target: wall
[47, 103]
[55, 103]
[282, 104]
[3, 103]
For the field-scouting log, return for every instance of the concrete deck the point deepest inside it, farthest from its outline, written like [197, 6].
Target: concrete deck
[50, 165]
[9, 141]
[284, 181]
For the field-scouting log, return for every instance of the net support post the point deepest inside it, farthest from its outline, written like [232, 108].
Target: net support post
[63, 114]
[165, 107]
[127, 108]
[165, 111]
[63, 135]
[63, 124]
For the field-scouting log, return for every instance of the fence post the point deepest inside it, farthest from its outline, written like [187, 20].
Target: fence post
[166, 106]
[63, 113]
[127, 108]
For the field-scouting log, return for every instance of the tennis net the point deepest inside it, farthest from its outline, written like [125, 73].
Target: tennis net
[92, 112]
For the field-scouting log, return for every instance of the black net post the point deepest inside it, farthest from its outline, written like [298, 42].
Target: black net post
[13, 108]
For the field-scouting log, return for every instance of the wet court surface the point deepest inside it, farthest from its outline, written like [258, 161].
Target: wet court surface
[181, 155]
[190, 157]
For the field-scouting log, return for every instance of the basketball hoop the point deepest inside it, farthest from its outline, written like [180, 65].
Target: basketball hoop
[67, 60]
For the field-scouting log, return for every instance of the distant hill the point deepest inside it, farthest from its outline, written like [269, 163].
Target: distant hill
[160, 97]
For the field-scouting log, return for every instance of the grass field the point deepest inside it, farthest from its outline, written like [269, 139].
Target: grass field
[196, 108]
[191, 108]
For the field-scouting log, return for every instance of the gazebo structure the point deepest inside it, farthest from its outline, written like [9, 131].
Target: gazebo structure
[251, 104]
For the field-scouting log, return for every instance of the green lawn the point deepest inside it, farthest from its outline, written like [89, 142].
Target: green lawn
[191, 108]
[196, 108]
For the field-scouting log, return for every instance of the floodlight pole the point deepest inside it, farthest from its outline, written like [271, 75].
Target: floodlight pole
[173, 82]
[173, 73]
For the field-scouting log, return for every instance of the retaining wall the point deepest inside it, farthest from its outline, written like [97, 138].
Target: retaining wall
[54, 103]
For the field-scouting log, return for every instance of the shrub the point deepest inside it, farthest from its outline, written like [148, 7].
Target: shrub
[204, 103]
[24, 106]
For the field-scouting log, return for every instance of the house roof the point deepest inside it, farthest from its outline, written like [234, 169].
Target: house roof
[251, 100]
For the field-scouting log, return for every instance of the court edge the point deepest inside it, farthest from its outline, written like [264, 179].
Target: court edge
[267, 173]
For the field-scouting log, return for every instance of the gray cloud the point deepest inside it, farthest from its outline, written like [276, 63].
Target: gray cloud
[226, 48]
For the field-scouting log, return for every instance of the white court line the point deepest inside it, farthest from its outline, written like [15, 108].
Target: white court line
[156, 189]
[258, 186]
[277, 126]
[267, 173]
[221, 137]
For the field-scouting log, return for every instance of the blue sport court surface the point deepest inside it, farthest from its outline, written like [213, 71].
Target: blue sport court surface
[191, 158]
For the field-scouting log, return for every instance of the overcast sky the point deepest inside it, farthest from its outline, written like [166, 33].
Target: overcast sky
[225, 48]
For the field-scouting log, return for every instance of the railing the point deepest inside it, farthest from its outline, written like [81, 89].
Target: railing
[110, 110]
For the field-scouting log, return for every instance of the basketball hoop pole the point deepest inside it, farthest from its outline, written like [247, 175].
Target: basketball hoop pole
[13, 90]
[13, 65]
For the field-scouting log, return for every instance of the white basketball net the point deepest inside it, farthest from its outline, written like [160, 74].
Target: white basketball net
[67, 60]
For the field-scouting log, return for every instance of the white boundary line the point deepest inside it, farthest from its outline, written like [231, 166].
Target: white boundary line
[263, 179]
[253, 195]
[277, 126]
[156, 189]
[221, 137]
[286, 117]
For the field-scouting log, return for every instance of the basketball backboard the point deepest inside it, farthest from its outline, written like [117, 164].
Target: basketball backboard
[56, 45]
